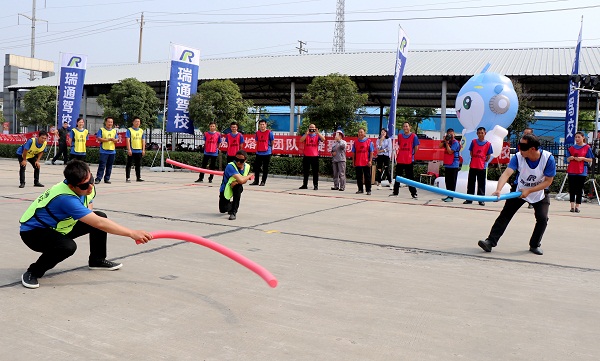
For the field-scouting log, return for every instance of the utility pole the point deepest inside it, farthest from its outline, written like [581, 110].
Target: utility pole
[141, 32]
[33, 21]
[339, 42]
[300, 48]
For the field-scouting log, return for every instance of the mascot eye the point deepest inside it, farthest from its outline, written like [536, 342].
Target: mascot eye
[499, 104]
[467, 102]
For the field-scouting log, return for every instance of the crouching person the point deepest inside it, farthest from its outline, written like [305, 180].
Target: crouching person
[234, 176]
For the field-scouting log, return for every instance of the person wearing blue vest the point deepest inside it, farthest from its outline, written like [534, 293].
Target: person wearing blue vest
[235, 175]
[62, 213]
[107, 136]
[136, 149]
[537, 169]
[32, 152]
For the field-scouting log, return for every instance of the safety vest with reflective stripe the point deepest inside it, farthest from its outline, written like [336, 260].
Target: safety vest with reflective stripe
[228, 192]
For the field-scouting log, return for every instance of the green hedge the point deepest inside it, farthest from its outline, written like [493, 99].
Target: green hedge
[281, 165]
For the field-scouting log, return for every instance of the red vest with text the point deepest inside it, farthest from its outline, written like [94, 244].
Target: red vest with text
[311, 146]
[211, 142]
[576, 167]
[262, 140]
[361, 155]
[405, 149]
[233, 144]
[479, 154]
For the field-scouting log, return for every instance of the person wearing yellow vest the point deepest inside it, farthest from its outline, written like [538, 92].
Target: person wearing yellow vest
[235, 175]
[79, 137]
[32, 152]
[62, 213]
[136, 149]
[107, 136]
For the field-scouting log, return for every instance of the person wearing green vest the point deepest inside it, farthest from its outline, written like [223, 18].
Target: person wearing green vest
[32, 152]
[136, 149]
[234, 176]
[62, 213]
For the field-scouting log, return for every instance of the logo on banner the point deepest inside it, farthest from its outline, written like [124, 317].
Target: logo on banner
[403, 44]
[187, 56]
[74, 62]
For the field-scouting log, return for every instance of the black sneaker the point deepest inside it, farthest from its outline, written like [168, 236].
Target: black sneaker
[107, 181]
[38, 184]
[232, 217]
[30, 281]
[485, 245]
[127, 180]
[22, 185]
[97, 181]
[254, 183]
[199, 180]
[303, 187]
[209, 180]
[262, 184]
[139, 180]
[414, 196]
[104, 265]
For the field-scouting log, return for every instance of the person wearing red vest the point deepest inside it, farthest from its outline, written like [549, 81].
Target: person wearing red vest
[211, 151]
[451, 161]
[311, 140]
[579, 156]
[408, 144]
[264, 146]
[481, 151]
[234, 142]
[362, 159]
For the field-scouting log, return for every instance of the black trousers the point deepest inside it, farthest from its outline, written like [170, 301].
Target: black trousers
[56, 247]
[62, 150]
[36, 171]
[451, 177]
[479, 176]
[511, 206]
[206, 159]
[135, 158]
[261, 163]
[307, 164]
[366, 172]
[383, 168]
[576, 183]
[232, 205]
[406, 170]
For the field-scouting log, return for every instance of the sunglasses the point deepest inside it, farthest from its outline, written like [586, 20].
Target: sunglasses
[240, 160]
[86, 185]
[524, 146]
[312, 130]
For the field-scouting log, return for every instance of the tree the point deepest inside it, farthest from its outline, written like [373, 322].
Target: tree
[414, 116]
[333, 102]
[39, 107]
[585, 121]
[131, 98]
[525, 113]
[220, 101]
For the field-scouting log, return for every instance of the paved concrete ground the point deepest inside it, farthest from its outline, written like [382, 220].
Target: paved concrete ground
[360, 278]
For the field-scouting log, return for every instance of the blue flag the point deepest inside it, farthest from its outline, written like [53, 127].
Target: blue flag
[183, 83]
[70, 91]
[400, 63]
[573, 98]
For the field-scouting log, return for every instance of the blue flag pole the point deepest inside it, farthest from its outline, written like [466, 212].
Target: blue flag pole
[572, 115]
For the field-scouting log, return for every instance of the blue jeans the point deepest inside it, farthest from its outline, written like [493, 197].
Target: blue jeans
[106, 161]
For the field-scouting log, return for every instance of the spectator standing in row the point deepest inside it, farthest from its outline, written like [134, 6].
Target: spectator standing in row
[234, 141]
[451, 161]
[408, 144]
[311, 140]
[384, 151]
[362, 158]
[264, 147]
[480, 150]
[338, 161]
[579, 157]
[107, 136]
[31, 151]
[79, 137]
[63, 134]
[211, 151]
[136, 149]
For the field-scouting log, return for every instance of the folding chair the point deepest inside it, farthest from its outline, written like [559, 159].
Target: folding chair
[433, 171]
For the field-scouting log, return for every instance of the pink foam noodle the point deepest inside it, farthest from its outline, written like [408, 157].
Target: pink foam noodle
[252, 266]
[195, 169]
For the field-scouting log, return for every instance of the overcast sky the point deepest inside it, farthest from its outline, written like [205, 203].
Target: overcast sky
[108, 31]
